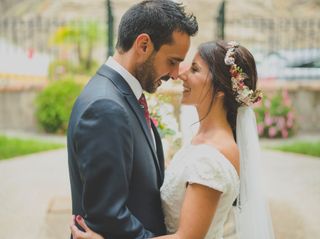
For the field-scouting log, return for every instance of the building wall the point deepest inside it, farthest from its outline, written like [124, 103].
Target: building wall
[17, 110]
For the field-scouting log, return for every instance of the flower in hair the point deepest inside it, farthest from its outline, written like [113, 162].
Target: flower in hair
[233, 44]
[243, 94]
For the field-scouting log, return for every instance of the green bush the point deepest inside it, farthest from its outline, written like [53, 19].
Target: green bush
[77, 38]
[54, 105]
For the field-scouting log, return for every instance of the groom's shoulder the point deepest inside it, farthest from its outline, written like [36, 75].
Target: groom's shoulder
[97, 92]
[98, 87]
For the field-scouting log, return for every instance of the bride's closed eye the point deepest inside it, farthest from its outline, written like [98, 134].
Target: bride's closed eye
[194, 68]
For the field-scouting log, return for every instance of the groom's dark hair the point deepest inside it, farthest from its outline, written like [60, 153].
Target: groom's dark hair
[157, 18]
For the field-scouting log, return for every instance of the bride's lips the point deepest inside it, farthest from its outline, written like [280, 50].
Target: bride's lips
[186, 89]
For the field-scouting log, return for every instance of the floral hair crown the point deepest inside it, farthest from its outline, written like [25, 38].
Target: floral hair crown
[244, 95]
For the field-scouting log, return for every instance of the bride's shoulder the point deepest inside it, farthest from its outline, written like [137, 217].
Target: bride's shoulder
[226, 147]
[231, 152]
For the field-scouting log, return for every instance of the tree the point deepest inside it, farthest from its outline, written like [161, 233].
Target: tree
[81, 36]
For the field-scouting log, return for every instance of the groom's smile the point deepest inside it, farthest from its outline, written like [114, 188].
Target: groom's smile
[167, 59]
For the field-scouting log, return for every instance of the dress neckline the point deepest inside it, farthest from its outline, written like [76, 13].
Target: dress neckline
[221, 154]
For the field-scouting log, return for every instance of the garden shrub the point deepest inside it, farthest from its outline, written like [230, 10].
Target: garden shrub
[275, 116]
[54, 105]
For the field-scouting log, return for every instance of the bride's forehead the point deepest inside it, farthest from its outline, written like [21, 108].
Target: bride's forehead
[199, 60]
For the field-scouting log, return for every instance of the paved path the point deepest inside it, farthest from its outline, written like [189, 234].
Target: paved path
[293, 187]
[35, 201]
[31, 189]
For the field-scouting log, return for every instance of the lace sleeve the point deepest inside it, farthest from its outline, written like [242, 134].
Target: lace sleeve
[208, 171]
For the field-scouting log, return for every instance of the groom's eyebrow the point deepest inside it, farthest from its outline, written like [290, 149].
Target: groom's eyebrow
[177, 59]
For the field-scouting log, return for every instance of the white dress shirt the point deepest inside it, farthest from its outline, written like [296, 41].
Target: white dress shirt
[129, 78]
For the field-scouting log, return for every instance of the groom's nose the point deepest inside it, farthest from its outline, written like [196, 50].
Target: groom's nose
[175, 73]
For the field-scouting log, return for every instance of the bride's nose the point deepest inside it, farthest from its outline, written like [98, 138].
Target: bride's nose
[183, 68]
[182, 76]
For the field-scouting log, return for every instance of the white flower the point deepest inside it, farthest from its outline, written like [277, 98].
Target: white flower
[229, 60]
[244, 95]
[233, 44]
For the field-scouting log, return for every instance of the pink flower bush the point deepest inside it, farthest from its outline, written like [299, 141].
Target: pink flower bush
[284, 133]
[260, 128]
[155, 122]
[162, 115]
[272, 132]
[275, 116]
[267, 120]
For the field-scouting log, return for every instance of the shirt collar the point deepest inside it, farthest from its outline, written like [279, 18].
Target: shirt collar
[129, 78]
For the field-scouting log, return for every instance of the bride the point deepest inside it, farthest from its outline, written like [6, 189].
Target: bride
[219, 167]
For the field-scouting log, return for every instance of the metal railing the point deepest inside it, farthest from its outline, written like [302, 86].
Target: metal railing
[38, 40]
[284, 48]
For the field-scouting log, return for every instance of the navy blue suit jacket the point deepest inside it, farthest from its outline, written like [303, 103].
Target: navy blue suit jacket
[115, 170]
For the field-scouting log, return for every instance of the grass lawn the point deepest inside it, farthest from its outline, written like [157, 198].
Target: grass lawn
[11, 147]
[301, 147]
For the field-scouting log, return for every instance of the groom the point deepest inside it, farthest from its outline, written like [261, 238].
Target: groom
[115, 155]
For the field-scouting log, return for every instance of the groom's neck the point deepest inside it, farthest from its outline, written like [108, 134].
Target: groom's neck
[126, 61]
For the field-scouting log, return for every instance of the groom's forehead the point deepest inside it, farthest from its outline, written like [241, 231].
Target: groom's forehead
[173, 53]
[178, 48]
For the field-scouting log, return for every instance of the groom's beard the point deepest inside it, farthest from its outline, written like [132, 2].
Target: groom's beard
[146, 74]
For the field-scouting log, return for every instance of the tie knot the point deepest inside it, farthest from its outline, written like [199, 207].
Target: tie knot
[143, 103]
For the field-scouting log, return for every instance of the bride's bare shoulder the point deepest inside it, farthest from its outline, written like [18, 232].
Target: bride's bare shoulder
[229, 149]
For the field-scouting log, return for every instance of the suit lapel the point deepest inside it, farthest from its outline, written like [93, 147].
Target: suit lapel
[159, 150]
[125, 89]
[132, 101]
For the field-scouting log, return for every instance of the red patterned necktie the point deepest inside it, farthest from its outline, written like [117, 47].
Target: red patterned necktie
[143, 103]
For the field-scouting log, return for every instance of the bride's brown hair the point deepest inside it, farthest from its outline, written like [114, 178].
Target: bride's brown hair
[213, 53]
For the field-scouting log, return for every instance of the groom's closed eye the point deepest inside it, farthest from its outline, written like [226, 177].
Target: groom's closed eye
[173, 61]
[165, 78]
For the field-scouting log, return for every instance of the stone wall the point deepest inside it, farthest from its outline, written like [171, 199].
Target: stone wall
[17, 109]
[305, 97]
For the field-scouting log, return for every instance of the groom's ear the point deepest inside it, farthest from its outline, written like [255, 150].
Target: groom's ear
[143, 45]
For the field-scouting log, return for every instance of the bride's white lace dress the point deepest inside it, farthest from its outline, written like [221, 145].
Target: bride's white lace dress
[205, 165]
